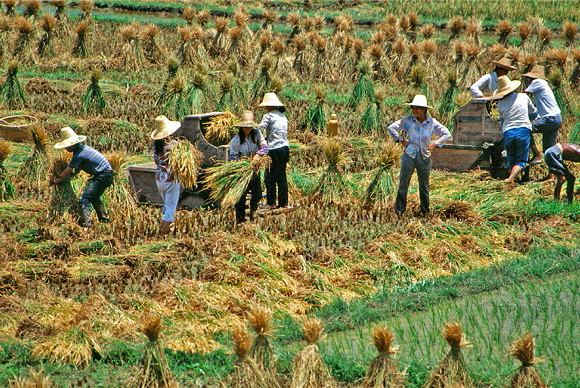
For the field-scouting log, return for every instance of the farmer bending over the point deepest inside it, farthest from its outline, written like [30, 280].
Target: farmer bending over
[554, 157]
[488, 83]
[92, 162]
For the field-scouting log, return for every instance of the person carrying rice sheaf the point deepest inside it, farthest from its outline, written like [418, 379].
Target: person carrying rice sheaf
[275, 124]
[555, 157]
[415, 133]
[248, 142]
[168, 187]
[549, 119]
[515, 111]
[488, 83]
[92, 162]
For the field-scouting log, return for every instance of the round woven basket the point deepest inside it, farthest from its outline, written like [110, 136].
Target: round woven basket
[17, 128]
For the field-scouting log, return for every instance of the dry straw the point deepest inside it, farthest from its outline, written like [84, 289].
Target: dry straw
[120, 196]
[184, 162]
[33, 170]
[74, 345]
[308, 370]
[383, 372]
[35, 379]
[451, 371]
[261, 351]
[220, 129]
[331, 187]
[246, 372]
[527, 375]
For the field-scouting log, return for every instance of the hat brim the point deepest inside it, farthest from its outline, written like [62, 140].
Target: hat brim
[170, 129]
[534, 75]
[246, 124]
[420, 106]
[503, 66]
[272, 104]
[500, 94]
[70, 142]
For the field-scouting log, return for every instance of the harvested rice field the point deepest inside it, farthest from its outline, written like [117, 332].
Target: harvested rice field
[335, 292]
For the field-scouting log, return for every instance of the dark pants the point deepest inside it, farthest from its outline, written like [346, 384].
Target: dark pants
[276, 177]
[556, 165]
[95, 187]
[255, 188]
[548, 126]
[408, 165]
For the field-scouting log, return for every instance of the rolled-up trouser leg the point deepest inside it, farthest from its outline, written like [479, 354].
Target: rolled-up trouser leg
[423, 172]
[169, 192]
[407, 167]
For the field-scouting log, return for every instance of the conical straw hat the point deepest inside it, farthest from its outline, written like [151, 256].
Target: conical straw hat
[246, 120]
[165, 127]
[505, 63]
[68, 137]
[420, 101]
[537, 71]
[271, 99]
[504, 87]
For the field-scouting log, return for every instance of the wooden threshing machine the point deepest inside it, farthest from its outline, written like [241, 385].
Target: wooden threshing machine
[142, 176]
[476, 140]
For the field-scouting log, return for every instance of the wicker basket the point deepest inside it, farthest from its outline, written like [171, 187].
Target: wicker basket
[17, 128]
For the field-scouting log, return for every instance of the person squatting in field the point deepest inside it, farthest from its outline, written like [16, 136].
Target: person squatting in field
[555, 157]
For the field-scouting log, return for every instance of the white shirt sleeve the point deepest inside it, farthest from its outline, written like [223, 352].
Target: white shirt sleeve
[442, 133]
[532, 110]
[479, 85]
[533, 87]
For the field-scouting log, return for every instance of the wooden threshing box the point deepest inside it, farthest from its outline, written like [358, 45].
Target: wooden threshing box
[474, 130]
[142, 176]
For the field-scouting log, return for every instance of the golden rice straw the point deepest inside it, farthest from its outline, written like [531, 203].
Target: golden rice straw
[246, 372]
[261, 350]
[527, 375]
[383, 371]
[184, 162]
[120, 195]
[220, 129]
[35, 379]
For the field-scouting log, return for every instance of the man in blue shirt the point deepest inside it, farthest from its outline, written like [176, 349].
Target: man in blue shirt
[415, 133]
[92, 162]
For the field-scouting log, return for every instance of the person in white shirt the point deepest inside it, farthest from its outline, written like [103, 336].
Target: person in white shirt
[488, 83]
[515, 111]
[419, 134]
[549, 118]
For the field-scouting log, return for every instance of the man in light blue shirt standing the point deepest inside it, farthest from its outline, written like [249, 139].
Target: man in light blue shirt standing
[416, 134]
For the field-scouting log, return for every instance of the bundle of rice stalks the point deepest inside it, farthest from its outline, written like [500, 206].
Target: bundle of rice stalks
[308, 369]
[382, 186]
[459, 210]
[9, 4]
[383, 371]
[86, 7]
[372, 118]
[455, 25]
[60, 5]
[152, 51]
[448, 106]
[130, 56]
[155, 372]
[227, 100]
[570, 32]
[524, 30]
[575, 75]
[364, 86]
[503, 29]
[246, 372]
[74, 346]
[7, 190]
[451, 371]
[188, 14]
[315, 119]
[227, 182]
[557, 57]
[22, 49]
[80, 47]
[185, 161]
[220, 129]
[63, 199]
[47, 23]
[262, 83]
[176, 101]
[261, 350]
[556, 79]
[331, 187]
[35, 379]
[120, 196]
[527, 376]
[11, 93]
[172, 69]
[33, 170]
[196, 95]
[93, 100]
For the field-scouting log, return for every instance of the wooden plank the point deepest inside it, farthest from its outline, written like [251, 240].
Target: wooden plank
[455, 159]
[469, 119]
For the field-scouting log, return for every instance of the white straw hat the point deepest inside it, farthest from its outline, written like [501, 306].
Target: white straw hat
[504, 87]
[246, 120]
[420, 101]
[271, 99]
[505, 63]
[68, 137]
[165, 128]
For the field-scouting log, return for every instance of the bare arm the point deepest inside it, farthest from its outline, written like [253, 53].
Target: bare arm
[67, 172]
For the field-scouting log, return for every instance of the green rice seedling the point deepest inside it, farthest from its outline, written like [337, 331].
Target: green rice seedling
[184, 162]
[261, 350]
[331, 186]
[47, 23]
[7, 190]
[196, 95]
[383, 372]
[315, 119]
[80, 48]
[33, 171]
[308, 369]
[176, 104]
[372, 118]
[247, 373]
[527, 376]
[227, 182]
[63, 198]
[93, 100]
[382, 186]
[119, 195]
[155, 370]
[11, 93]
[219, 130]
[364, 86]
[574, 136]
[451, 371]
[556, 79]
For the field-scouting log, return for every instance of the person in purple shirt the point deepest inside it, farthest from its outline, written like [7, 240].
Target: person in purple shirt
[415, 133]
[92, 162]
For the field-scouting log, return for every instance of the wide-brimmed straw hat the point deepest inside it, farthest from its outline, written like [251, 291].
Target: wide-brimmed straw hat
[246, 120]
[271, 99]
[68, 138]
[537, 71]
[505, 63]
[504, 87]
[165, 127]
[420, 101]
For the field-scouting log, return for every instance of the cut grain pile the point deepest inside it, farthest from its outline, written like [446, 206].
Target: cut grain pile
[383, 372]
[247, 373]
[461, 211]
[332, 187]
[527, 375]
[220, 129]
[382, 186]
[261, 350]
[185, 161]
